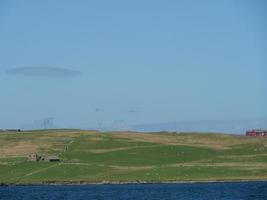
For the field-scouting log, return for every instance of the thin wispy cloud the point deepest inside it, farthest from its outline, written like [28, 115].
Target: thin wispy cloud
[130, 111]
[55, 72]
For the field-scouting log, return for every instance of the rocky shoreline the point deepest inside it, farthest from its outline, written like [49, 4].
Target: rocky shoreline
[58, 183]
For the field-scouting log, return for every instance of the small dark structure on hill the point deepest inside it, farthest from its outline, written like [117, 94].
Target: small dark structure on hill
[37, 158]
[52, 159]
[33, 157]
[256, 132]
[11, 130]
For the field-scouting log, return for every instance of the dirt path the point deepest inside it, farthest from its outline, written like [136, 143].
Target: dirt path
[36, 171]
[123, 148]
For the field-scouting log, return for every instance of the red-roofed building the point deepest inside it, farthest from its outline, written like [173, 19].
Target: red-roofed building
[256, 132]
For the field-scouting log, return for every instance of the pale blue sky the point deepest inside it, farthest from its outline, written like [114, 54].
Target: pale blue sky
[141, 61]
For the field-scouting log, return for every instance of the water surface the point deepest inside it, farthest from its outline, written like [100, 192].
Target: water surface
[196, 191]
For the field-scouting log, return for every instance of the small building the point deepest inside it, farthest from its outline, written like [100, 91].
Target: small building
[256, 132]
[33, 157]
[52, 159]
[12, 130]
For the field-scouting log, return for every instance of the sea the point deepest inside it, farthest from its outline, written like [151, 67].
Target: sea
[194, 191]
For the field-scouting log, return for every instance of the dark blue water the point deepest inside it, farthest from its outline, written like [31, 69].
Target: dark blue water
[214, 191]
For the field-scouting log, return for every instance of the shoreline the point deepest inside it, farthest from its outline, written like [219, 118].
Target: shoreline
[80, 183]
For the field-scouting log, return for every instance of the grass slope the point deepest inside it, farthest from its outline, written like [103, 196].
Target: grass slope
[89, 156]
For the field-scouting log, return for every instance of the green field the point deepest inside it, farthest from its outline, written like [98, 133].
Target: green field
[90, 156]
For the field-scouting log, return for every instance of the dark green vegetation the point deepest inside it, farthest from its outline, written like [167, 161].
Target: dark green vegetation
[89, 156]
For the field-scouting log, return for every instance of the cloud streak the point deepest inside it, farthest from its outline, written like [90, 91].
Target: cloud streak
[54, 72]
[130, 111]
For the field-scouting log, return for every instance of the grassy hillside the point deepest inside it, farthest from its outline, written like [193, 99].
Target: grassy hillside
[91, 156]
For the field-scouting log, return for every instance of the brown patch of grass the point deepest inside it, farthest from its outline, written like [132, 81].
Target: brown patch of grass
[216, 141]
[242, 156]
[62, 134]
[18, 149]
[171, 139]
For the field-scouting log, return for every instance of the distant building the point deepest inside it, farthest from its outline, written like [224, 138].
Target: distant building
[52, 159]
[37, 158]
[256, 132]
[33, 157]
[12, 130]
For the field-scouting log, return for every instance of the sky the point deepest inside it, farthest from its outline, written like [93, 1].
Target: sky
[100, 63]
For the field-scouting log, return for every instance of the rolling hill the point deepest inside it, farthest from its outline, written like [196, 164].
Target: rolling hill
[98, 157]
